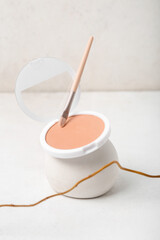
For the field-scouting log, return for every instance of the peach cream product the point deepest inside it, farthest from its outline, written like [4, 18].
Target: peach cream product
[79, 130]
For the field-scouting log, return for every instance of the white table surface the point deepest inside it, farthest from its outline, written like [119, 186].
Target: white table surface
[130, 210]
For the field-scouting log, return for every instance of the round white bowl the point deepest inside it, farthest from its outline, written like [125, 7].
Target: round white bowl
[66, 167]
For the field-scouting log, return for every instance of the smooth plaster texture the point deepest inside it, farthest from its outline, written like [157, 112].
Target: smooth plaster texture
[129, 211]
[125, 54]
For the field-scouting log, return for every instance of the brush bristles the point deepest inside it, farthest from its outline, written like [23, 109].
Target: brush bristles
[62, 121]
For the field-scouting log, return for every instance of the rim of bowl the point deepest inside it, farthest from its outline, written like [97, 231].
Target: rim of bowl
[83, 150]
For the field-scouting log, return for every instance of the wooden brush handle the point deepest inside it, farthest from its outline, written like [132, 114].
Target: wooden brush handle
[81, 67]
[65, 113]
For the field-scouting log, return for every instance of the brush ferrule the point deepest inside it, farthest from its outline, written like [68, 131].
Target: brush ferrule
[68, 105]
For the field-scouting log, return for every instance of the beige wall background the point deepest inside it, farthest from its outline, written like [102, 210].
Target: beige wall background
[125, 54]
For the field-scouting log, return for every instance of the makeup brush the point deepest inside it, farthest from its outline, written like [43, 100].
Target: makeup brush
[75, 84]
